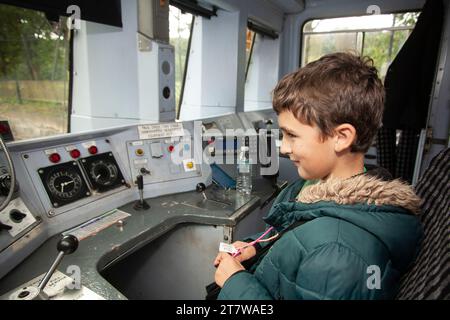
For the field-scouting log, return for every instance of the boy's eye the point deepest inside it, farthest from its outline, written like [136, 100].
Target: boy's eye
[290, 135]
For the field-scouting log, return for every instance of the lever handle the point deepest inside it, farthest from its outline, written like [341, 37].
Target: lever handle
[140, 182]
[4, 226]
[200, 187]
[68, 244]
[141, 204]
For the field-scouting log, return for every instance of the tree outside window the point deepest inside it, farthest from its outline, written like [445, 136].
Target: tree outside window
[34, 72]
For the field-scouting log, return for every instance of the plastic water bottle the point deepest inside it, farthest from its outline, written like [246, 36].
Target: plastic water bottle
[244, 178]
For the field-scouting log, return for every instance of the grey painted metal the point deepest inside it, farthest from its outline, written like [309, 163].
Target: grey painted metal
[419, 156]
[29, 155]
[115, 243]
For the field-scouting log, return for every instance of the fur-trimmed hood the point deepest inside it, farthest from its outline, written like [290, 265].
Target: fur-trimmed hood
[381, 206]
[363, 189]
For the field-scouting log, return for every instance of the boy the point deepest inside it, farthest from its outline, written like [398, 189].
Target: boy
[360, 232]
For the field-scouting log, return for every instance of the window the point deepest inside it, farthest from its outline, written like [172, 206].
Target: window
[34, 73]
[180, 24]
[378, 36]
[261, 72]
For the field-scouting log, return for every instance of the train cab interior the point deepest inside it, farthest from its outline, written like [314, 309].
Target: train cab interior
[125, 124]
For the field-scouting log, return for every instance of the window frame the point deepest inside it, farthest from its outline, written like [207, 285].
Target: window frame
[302, 27]
[186, 64]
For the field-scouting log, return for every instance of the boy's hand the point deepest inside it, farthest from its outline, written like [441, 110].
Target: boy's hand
[246, 253]
[226, 267]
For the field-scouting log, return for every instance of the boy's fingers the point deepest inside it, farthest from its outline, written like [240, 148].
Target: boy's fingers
[218, 259]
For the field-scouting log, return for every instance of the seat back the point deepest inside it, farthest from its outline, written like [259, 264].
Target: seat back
[430, 274]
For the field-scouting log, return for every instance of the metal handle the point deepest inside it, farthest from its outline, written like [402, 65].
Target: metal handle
[67, 245]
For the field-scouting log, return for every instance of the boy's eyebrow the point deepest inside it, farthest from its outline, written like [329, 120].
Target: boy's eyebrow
[287, 129]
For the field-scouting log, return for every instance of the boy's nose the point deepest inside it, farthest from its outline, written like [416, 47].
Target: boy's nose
[285, 147]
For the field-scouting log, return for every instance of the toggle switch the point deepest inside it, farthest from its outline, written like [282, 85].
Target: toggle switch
[141, 204]
[200, 188]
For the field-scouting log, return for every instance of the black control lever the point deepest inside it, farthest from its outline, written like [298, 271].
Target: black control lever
[141, 204]
[4, 226]
[200, 187]
[66, 245]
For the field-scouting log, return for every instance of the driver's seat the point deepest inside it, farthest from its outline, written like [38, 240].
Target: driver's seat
[429, 277]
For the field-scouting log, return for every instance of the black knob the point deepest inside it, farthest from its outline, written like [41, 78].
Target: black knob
[4, 226]
[200, 187]
[68, 244]
[16, 215]
[140, 182]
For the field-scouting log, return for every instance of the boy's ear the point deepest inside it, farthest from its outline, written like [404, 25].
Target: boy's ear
[345, 135]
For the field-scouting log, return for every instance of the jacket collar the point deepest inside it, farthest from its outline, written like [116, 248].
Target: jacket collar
[366, 189]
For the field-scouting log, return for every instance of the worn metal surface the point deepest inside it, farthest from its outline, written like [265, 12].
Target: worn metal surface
[118, 241]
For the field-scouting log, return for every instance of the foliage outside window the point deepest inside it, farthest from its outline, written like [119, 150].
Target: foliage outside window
[250, 41]
[34, 72]
[180, 32]
[378, 36]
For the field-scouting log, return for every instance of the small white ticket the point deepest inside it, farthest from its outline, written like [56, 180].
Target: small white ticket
[226, 247]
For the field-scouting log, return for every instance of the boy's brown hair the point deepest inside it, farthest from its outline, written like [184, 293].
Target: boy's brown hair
[338, 88]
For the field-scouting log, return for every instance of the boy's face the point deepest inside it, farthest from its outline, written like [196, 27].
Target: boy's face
[314, 158]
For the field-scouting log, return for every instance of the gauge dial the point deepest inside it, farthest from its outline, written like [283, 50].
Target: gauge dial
[64, 183]
[103, 172]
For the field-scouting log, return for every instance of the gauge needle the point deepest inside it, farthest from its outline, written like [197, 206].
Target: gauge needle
[96, 178]
[65, 184]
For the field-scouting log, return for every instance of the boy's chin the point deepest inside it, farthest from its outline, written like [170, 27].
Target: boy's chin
[306, 176]
[303, 174]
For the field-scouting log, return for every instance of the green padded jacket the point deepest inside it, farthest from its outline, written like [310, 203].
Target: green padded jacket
[360, 237]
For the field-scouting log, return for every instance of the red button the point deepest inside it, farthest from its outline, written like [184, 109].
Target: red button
[55, 158]
[75, 153]
[171, 148]
[93, 150]
[4, 129]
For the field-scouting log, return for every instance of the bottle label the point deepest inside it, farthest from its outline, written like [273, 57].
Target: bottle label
[244, 168]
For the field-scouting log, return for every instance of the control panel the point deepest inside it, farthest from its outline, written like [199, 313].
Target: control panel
[74, 174]
[64, 181]
[223, 137]
[163, 159]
